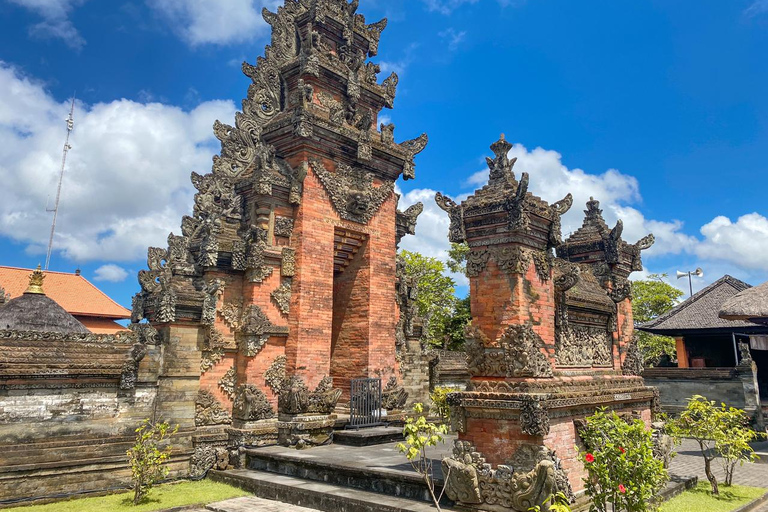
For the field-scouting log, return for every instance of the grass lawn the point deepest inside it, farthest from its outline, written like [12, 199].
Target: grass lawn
[160, 497]
[700, 499]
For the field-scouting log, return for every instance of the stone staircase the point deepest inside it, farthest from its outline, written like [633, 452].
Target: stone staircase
[332, 479]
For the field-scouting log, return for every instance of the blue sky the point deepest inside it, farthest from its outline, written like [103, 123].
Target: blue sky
[659, 109]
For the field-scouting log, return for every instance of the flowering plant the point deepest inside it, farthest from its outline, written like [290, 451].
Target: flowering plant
[622, 470]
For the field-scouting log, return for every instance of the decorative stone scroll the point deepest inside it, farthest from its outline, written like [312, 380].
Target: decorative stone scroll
[406, 221]
[534, 420]
[518, 354]
[228, 381]
[282, 297]
[352, 191]
[456, 233]
[393, 396]
[472, 482]
[209, 411]
[510, 260]
[251, 404]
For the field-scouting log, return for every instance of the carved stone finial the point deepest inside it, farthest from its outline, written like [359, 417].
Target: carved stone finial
[501, 166]
[36, 282]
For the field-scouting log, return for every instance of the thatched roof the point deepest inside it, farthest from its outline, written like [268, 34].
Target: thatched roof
[751, 304]
[33, 311]
[700, 312]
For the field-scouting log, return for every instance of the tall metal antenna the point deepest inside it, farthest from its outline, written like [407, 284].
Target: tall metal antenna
[67, 147]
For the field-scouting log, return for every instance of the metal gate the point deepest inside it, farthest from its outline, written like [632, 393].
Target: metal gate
[365, 403]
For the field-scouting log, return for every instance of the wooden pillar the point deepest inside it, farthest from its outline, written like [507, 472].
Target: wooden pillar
[682, 353]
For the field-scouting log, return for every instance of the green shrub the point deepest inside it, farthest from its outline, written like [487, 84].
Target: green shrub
[439, 398]
[620, 463]
[147, 459]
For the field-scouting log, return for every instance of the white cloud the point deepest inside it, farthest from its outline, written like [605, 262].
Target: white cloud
[744, 242]
[56, 23]
[110, 272]
[126, 183]
[452, 37]
[446, 6]
[213, 21]
[757, 7]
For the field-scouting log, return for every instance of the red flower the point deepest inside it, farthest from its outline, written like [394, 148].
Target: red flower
[589, 457]
[622, 489]
[622, 450]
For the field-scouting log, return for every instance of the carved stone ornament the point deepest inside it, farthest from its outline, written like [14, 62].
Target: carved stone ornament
[456, 233]
[254, 330]
[283, 227]
[406, 221]
[206, 457]
[288, 264]
[745, 357]
[210, 358]
[295, 398]
[472, 482]
[209, 411]
[518, 354]
[352, 192]
[251, 404]
[275, 375]
[582, 345]
[130, 371]
[534, 420]
[228, 381]
[393, 396]
[212, 291]
[511, 259]
[412, 148]
[633, 360]
[282, 296]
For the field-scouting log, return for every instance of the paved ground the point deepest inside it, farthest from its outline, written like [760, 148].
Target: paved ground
[688, 462]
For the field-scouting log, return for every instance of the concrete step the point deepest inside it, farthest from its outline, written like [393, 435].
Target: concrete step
[314, 495]
[400, 482]
[368, 436]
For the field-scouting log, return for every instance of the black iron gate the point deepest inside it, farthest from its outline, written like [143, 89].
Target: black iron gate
[365, 403]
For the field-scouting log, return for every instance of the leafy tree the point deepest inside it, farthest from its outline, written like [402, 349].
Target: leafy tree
[734, 446]
[457, 257]
[439, 398]
[620, 462]
[435, 300]
[651, 298]
[701, 421]
[146, 459]
[419, 435]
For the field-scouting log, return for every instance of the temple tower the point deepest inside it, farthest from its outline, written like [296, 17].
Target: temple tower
[550, 341]
[283, 279]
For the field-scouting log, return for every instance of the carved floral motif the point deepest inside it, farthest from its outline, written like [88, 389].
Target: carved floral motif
[352, 191]
[209, 411]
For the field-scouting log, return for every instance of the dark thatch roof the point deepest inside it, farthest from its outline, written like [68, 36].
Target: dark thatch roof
[700, 312]
[36, 312]
[751, 304]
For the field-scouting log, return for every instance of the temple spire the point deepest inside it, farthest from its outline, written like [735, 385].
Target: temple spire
[36, 281]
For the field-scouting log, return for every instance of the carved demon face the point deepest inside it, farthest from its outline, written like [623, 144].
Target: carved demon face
[358, 203]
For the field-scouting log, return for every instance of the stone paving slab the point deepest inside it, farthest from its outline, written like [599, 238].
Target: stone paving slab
[689, 461]
[253, 504]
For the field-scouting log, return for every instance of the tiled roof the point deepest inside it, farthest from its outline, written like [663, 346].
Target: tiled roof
[701, 311]
[71, 291]
[101, 325]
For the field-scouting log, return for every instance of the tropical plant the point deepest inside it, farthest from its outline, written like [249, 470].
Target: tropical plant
[419, 435]
[557, 503]
[734, 447]
[622, 470]
[439, 397]
[147, 459]
[701, 421]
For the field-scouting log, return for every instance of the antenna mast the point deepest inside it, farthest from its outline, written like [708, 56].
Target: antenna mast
[67, 147]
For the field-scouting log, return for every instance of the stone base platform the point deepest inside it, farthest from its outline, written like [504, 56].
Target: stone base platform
[368, 436]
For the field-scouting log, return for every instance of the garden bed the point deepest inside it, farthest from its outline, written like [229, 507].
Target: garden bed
[161, 497]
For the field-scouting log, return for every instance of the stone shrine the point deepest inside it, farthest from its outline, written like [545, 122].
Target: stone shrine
[550, 341]
[275, 288]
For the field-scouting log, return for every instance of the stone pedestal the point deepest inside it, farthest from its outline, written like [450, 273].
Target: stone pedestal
[305, 430]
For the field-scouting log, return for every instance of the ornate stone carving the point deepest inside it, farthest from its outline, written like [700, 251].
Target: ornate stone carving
[352, 191]
[251, 404]
[519, 353]
[295, 398]
[745, 357]
[455, 212]
[582, 345]
[406, 221]
[254, 330]
[212, 291]
[412, 148]
[471, 481]
[283, 226]
[288, 264]
[206, 457]
[210, 358]
[633, 360]
[533, 416]
[543, 263]
[228, 381]
[131, 366]
[512, 259]
[567, 276]
[275, 375]
[209, 411]
[393, 395]
[282, 296]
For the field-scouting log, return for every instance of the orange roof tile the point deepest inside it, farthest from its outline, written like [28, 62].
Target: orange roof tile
[71, 291]
[100, 325]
